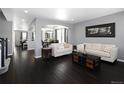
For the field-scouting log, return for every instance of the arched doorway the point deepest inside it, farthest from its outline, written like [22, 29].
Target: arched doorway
[54, 34]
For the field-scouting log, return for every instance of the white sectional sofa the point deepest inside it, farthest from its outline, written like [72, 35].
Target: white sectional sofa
[107, 52]
[59, 49]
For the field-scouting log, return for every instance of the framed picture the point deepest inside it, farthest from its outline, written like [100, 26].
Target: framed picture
[102, 30]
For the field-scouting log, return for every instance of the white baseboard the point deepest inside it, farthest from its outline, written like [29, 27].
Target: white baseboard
[37, 56]
[120, 60]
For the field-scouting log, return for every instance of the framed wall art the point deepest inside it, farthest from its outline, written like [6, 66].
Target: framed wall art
[102, 30]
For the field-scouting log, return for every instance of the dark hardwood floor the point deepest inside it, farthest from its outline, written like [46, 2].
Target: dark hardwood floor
[24, 69]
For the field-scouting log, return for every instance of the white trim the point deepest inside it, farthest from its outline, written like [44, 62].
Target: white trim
[120, 60]
[37, 56]
[10, 54]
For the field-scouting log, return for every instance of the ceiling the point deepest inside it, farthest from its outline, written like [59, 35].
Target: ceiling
[22, 19]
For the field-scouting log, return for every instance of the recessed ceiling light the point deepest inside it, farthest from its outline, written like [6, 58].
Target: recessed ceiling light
[26, 11]
[61, 14]
[23, 20]
[72, 19]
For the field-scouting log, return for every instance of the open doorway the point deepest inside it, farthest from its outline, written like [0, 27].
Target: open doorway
[54, 34]
[21, 38]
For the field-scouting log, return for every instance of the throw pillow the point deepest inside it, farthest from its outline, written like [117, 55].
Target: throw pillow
[66, 45]
[107, 49]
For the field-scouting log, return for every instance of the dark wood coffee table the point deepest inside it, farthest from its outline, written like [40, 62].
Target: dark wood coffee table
[78, 57]
[93, 62]
[89, 61]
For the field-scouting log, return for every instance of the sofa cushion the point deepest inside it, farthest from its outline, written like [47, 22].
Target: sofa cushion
[107, 48]
[88, 46]
[63, 50]
[93, 46]
[98, 53]
[96, 46]
[66, 45]
[60, 47]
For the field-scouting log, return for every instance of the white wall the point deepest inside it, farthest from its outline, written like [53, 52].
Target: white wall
[13, 40]
[17, 38]
[6, 31]
[31, 44]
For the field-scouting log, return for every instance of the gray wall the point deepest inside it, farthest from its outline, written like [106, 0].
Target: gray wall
[78, 33]
[6, 31]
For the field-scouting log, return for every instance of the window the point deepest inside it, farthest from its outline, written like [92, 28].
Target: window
[24, 36]
[62, 35]
[59, 35]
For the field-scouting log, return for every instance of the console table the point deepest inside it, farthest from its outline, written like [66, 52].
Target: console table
[46, 53]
